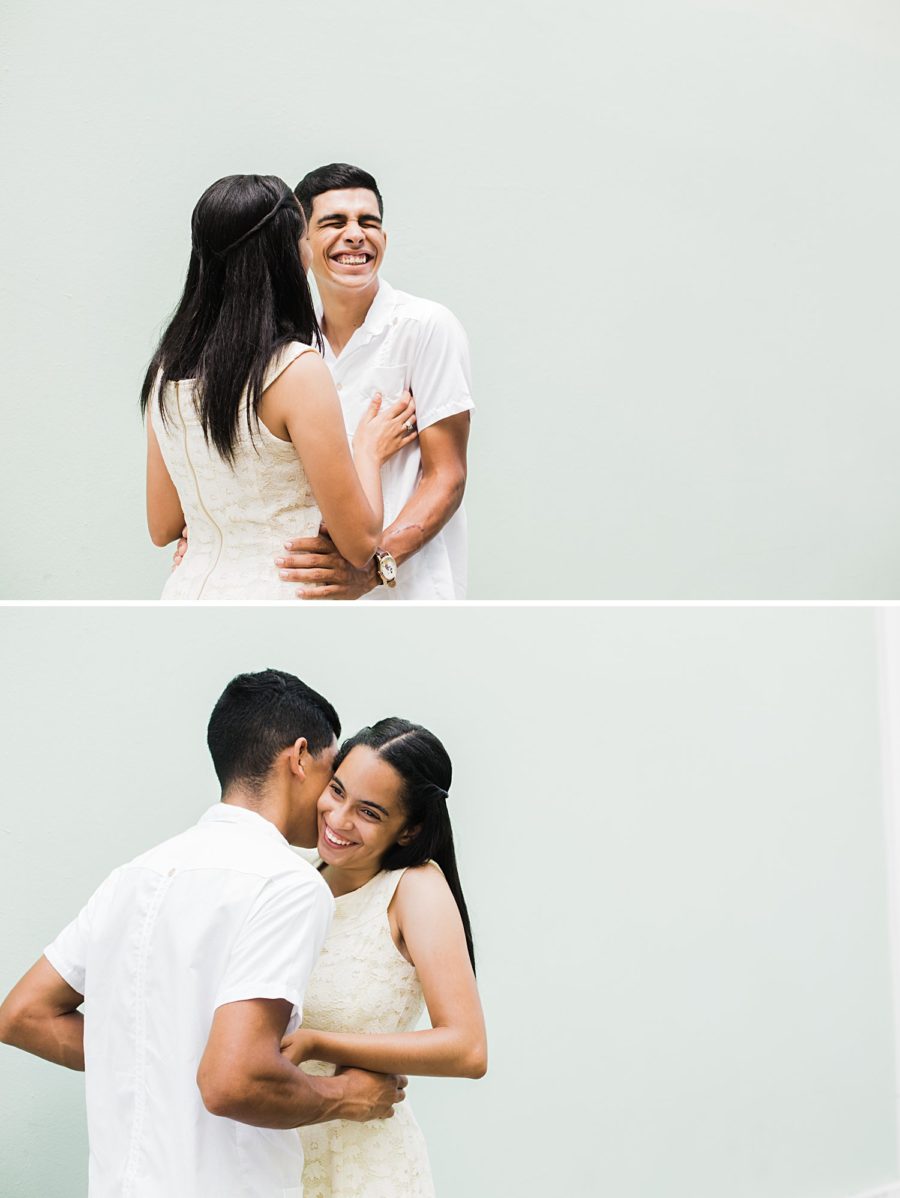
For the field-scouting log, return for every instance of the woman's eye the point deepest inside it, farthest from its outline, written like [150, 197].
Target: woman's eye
[370, 813]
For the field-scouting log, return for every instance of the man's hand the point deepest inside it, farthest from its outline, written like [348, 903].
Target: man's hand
[317, 565]
[180, 549]
[370, 1095]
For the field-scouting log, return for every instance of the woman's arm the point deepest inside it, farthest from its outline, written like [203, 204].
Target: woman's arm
[304, 403]
[455, 1045]
[165, 519]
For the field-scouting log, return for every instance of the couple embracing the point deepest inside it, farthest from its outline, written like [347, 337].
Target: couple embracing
[197, 961]
[304, 452]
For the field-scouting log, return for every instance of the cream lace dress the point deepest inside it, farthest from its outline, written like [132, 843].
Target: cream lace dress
[238, 516]
[362, 983]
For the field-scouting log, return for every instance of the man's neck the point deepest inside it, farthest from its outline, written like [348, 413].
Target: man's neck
[343, 312]
[266, 802]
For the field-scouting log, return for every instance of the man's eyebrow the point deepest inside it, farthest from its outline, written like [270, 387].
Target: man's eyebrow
[343, 216]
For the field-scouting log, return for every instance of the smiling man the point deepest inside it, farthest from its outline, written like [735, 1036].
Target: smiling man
[379, 339]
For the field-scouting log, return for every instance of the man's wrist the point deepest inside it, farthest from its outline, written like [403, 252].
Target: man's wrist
[331, 1095]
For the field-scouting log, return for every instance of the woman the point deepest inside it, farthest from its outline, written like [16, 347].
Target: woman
[400, 937]
[246, 442]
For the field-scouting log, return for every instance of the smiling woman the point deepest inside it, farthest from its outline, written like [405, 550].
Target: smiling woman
[400, 939]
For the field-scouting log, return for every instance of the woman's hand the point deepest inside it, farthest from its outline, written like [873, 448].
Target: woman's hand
[299, 1046]
[382, 433]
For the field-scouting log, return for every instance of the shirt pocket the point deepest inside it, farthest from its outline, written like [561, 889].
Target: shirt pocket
[390, 381]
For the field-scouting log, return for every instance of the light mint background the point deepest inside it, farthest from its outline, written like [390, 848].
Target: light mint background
[670, 832]
[669, 227]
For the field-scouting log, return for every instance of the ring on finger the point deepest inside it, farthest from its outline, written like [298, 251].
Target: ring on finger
[409, 426]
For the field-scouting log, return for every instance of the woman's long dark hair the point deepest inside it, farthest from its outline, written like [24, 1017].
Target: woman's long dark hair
[245, 295]
[426, 773]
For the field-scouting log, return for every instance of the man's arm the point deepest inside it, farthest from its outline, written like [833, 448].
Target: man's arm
[40, 1015]
[244, 1076]
[437, 496]
[439, 492]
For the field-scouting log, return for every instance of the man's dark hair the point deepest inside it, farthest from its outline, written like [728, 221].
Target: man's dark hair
[260, 715]
[337, 176]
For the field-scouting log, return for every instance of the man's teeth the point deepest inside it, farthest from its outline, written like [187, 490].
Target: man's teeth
[336, 840]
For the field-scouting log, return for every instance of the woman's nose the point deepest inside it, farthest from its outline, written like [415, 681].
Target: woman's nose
[340, 816]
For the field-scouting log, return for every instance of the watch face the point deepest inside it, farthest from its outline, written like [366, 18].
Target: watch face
[388, 569]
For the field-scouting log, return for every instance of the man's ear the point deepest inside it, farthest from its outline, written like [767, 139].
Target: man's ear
[298, 758]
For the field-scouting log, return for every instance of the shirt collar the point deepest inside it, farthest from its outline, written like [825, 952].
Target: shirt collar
[379, 313]
[229, 813]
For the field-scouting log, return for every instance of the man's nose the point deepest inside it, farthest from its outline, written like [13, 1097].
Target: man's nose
[353, 233]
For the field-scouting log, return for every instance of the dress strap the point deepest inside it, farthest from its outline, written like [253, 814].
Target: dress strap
[282, 359]
[392, 881]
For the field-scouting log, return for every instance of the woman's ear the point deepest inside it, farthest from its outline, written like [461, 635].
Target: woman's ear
[408, 835]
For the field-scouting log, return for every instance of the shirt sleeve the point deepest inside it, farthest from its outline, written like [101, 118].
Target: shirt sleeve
[68, 953]
[440, 378]
[279, 942]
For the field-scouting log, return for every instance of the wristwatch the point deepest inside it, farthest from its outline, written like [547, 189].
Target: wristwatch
[385, 568]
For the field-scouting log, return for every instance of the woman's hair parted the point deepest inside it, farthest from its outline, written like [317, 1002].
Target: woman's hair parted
[245, 295]
[426, 773]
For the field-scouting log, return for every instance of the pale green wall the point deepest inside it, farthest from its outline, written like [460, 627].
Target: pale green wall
[669, 227]
[670, 831]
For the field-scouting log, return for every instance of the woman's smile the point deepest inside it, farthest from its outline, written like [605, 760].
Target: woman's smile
[332, 838]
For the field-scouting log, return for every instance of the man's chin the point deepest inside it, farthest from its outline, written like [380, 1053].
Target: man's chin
[348, 280]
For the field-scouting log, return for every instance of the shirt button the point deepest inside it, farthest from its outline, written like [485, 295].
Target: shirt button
[171, 873]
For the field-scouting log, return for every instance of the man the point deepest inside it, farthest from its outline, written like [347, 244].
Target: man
[192, 962]
[379, 339]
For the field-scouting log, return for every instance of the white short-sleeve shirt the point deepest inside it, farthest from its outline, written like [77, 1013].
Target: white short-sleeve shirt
[226, 911]
[407, 343]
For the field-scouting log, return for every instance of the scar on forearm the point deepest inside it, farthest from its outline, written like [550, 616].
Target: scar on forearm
[416, 531]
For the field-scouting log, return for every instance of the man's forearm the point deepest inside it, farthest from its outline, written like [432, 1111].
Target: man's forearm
[434, 501]
[283, 1096]
[56, 1038]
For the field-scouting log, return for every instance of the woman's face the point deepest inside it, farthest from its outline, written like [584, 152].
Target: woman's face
[360, 814]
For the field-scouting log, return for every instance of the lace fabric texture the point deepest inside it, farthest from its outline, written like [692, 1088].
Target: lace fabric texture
[362, 983]
[239, 516]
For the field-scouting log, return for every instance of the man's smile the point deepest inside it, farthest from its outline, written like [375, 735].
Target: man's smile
[346, 259]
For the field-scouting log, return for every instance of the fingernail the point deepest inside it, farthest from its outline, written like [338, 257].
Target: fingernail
[287, 544]
[279, 561]
[284, 575]
[301, 594]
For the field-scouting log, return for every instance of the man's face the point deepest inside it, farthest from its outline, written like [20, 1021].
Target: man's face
[317, 774]
[346, 239]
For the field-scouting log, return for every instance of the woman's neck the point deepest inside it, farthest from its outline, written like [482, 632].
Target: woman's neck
[345, 881]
